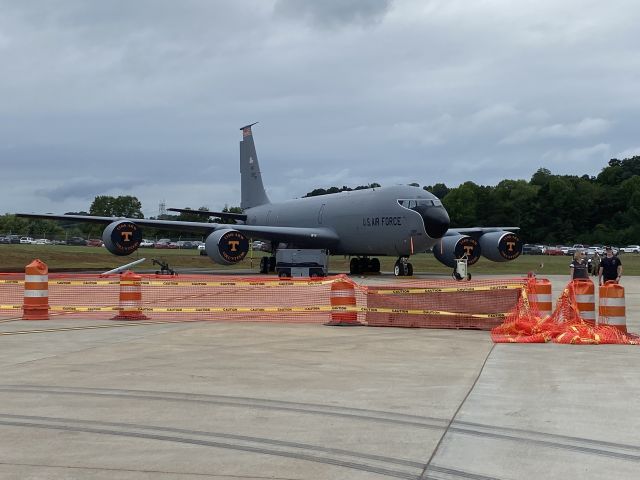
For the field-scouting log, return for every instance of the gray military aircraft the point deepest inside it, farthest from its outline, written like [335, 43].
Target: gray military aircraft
[365, 224]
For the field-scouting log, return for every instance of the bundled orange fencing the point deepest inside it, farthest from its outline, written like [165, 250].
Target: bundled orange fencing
[525, 324]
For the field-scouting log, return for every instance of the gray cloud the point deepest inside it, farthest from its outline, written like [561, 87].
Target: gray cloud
[334, 13]
[147, 96]
[86, 188]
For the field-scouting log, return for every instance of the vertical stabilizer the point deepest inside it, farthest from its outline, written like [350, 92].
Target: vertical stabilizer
[251, 189]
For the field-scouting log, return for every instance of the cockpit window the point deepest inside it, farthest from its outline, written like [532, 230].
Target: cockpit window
[413, 203]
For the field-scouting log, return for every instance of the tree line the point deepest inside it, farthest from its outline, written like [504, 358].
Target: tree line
[548, 208]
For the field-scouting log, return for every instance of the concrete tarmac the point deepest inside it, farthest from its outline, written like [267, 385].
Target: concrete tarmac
[281, 401]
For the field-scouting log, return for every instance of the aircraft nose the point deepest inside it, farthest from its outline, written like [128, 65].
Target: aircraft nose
[436, 221]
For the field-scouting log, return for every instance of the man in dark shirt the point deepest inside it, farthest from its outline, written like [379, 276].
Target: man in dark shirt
[610, 268]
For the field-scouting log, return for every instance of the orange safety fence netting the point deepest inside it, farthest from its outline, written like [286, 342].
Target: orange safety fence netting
[480, 304]
[192, 297]
[477, 304]
[525, 323]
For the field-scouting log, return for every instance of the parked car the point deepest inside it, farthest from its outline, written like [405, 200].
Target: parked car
[259, 245]
[630, 249]
[76, 241]
[26, 240]
[94, 242]
[557, 250]
[147, 243]
[166, 243]
[186, 244]
[530, 249]
[42, 241]
[202, 249]
[14, 239]
[5, 240]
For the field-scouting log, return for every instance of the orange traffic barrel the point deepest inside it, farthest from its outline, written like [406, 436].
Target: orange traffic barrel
[130, 307]
[36, 291]
[540, 296]
[343, 304]
[612, 309]
[585, 294]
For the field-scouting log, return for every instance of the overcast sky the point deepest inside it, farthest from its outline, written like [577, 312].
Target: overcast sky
[146, 97]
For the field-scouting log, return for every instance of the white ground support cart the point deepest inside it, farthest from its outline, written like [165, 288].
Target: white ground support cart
[461, 270]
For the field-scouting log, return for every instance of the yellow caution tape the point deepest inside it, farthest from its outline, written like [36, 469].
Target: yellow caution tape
[419, 312]
[193, 309]
[10, 307]
[168, 283]
[404, 291]
[320, 308]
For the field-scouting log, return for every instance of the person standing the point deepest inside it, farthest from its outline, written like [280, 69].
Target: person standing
[578, 267]
[595, 264]
[610, 268]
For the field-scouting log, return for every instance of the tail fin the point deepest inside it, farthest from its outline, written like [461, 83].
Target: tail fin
[251, 189]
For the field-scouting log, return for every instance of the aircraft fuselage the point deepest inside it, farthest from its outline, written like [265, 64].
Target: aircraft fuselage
[367, 222]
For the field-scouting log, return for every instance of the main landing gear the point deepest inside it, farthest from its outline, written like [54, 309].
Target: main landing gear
[403, 268]
[267, 264]
[364, 265]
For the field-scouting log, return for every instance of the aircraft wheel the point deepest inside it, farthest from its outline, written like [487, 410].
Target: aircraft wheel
[364, 265]
[354, 266]
[468, 276]
[264, 265]
[398, 269]
[375, 265]
[409, 269]
[272, 264]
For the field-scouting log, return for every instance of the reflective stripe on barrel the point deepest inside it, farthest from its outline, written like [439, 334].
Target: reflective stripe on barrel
[540, 296]
[343, 303]
[36, 291]
[612, 309]
[585, 299]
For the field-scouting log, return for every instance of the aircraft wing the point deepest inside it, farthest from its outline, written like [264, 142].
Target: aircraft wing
[229, 215]
[322, 237]
[480, 230]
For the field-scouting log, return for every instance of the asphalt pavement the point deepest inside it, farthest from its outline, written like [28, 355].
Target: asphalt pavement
[87, 399]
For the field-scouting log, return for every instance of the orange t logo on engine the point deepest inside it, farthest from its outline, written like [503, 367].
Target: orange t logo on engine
[126, 236]
[233, 244]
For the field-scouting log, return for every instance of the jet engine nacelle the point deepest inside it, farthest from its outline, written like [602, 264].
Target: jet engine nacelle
[452, 247]
[227, 246]
[500, 246]
[122, 237]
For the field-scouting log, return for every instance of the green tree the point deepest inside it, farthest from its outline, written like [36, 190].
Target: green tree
[462, 204]
[440, 190]
[121, 206]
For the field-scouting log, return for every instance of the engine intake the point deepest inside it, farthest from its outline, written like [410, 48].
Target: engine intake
[227, 247]
[122, 237]
[453, 247]
[500, 246]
